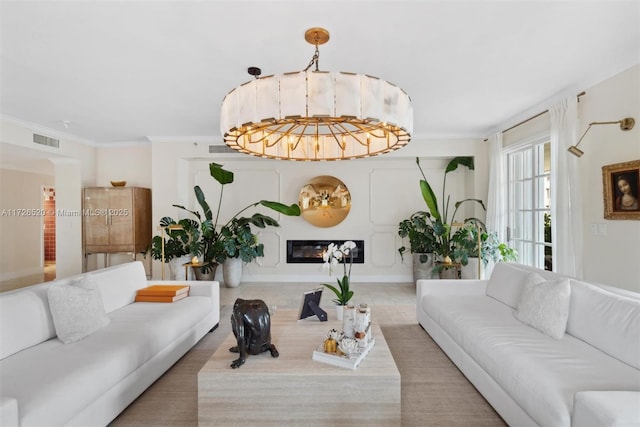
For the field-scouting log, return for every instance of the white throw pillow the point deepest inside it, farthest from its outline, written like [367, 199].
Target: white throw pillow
[545, 306]
[76, 309]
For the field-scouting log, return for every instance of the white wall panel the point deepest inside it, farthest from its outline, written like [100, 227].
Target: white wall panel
[382, 251]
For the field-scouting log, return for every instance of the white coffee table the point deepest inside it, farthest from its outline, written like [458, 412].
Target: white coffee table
[293, 389]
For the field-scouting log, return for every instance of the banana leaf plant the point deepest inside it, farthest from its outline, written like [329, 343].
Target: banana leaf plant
[214, 244]
[441, 222]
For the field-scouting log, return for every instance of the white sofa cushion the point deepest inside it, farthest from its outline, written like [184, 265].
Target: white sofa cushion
[607, 321]
[86, 369]
[77, 309]
[539, 373]
[118, 284]
[506, 283]
[25, 319]
[9, 412]
[545, 305]
[606, 408]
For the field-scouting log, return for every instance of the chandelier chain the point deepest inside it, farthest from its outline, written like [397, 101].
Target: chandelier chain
[314, 60]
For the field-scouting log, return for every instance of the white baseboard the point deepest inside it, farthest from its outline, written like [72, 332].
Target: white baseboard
[21, 273]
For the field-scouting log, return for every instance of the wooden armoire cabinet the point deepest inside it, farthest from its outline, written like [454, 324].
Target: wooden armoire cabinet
[116, 219]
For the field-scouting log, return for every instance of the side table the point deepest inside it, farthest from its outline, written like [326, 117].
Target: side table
[186, 266]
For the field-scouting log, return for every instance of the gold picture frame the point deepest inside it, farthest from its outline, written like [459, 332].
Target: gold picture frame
[621, 185]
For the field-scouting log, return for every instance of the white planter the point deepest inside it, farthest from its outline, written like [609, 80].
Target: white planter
[176, 269]
[470, 271]
[423, 270]
[339, 312]
[232, 272]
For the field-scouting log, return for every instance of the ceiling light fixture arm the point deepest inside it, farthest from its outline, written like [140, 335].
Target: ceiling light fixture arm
[625, 124]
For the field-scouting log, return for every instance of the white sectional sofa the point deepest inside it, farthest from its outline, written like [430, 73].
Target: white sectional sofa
[88, 382]
[588, 377]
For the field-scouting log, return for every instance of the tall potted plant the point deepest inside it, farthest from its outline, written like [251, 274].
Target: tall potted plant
[440, 220]
[417, 228]
[207, 239]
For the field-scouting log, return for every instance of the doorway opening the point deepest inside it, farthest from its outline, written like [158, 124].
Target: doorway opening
[49, 232]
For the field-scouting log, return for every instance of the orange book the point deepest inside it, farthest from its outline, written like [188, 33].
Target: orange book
[164, 290]
[151, 298]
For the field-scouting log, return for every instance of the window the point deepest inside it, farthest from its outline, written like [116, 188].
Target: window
[529, 202]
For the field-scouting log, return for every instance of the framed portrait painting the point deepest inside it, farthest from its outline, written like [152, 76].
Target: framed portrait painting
[621, 182]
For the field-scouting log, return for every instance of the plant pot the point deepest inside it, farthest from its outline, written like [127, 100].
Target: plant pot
[470, 271]
[232, 272]
[210, 275]
[422, 270]
[176, 269]
[339, 312]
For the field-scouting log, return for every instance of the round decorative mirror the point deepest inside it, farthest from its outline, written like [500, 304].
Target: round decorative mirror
[324, 201]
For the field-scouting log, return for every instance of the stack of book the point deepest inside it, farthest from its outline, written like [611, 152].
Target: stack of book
[162, 293]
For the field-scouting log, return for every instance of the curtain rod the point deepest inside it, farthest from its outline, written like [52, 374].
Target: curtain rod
[536, 116]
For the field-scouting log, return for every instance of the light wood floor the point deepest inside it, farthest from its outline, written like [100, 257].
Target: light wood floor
[48, 273]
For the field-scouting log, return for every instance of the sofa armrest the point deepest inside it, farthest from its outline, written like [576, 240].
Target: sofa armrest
[200, 288]
[204, 288]
[8, 412]
[606, 408]
[450, 287]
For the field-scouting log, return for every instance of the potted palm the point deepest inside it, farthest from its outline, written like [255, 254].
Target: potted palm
[207, 239]
[417, 228]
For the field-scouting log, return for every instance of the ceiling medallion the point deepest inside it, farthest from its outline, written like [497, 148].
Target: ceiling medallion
[316, 115]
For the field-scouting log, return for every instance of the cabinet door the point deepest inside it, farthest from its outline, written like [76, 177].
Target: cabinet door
[121, 236]
[96, 221]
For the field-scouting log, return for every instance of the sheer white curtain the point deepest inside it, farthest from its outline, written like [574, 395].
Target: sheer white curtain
[566, 201]
[496, 200]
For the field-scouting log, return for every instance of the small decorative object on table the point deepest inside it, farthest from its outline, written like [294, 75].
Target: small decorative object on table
[331, 342]
[344, 352]
[362, 325]
[118, 183]
[332, 256]
[251, 324]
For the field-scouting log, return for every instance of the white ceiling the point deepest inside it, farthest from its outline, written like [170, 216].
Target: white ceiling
[122, 71]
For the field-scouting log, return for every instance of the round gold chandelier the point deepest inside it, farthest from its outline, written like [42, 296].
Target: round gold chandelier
[316, 115]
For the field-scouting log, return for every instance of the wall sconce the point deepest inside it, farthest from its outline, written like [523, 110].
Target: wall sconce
[625, 124]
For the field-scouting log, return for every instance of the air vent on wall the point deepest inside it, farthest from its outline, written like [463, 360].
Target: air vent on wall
[46, 140]
[221, 149]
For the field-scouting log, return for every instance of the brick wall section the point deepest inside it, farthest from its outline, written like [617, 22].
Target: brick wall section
[50, 229]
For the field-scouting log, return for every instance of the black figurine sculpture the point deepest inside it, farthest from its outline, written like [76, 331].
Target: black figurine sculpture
[251, 324]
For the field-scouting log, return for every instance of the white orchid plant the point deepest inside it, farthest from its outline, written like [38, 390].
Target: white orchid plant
[332, 257]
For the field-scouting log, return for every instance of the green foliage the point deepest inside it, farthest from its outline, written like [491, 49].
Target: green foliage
[203, 238]
[343, 293]
[439, 219]
[420, 233]
[465, 242]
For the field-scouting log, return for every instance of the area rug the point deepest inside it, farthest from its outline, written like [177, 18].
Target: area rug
[434, 392]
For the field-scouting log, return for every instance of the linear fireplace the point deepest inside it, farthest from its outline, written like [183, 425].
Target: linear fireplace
[310, 251]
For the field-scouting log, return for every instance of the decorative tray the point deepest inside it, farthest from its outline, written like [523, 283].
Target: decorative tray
[341, 360]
